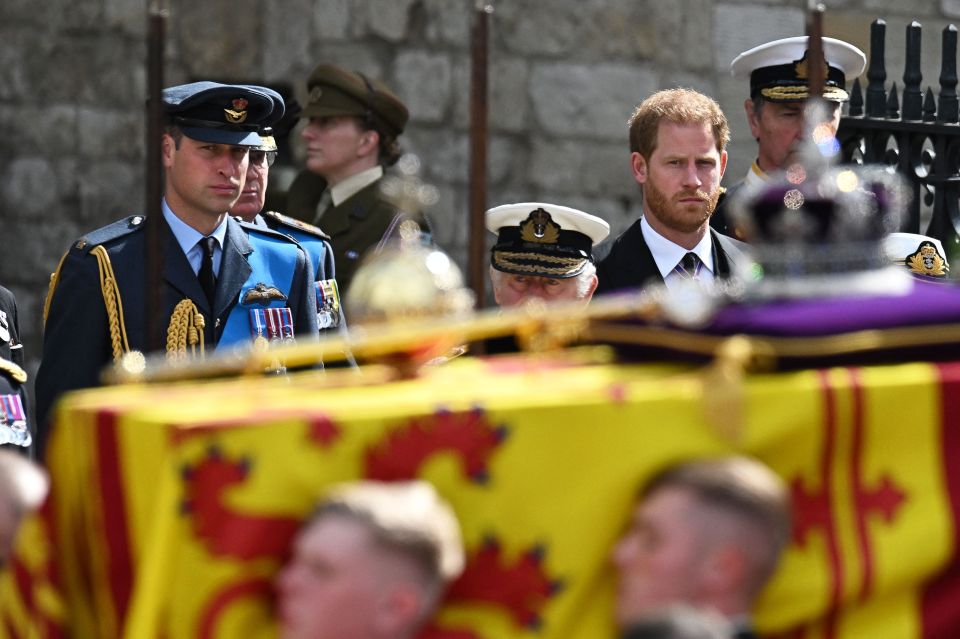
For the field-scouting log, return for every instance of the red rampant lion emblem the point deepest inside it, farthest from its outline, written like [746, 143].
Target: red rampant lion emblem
[520, 588]
[224, 531]
[468, 435]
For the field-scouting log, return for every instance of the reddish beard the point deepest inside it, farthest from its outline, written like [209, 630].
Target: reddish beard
[678, 216]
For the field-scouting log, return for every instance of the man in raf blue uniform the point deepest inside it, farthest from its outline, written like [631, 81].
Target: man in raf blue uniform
[224, 282]
[315, 242]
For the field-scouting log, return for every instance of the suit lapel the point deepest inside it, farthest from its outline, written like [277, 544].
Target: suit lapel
[720, 261]
[234, 269]
[641, 265]
[725, 251]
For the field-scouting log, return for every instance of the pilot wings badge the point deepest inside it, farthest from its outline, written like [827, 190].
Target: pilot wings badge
[262, 294]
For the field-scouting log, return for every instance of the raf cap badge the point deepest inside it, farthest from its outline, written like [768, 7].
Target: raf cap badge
[540, 228]
[238, 113]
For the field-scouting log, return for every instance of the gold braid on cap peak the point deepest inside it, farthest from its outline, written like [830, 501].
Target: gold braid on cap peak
[785, 93]
[112, 302]
[185, 329]
[801, 93]
[565, 264]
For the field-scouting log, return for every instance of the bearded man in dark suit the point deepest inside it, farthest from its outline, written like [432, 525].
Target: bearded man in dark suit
[677, 143]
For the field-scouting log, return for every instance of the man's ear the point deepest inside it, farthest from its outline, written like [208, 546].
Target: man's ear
[726, 569]
[753, 118]
[399, 609]
[168, 148]
[594, 281]
[723, 162]
[639, 166]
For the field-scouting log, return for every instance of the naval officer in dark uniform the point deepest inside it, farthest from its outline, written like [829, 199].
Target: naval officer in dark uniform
[224, 282]
[779, 76]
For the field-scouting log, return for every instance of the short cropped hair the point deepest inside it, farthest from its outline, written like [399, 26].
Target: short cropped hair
[23, 483]
[745, 490]
[679, 106]
[408, 519]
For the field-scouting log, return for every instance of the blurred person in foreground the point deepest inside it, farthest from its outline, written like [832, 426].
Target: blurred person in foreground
[23, 487]
[372, 562]
[707, 533]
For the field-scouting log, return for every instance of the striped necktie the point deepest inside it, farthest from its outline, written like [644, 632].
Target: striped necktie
[689, 267]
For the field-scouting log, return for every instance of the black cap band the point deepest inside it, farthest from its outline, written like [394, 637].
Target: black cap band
[785, 75]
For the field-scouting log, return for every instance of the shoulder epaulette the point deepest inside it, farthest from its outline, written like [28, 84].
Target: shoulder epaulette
[256, 229]
[109, 233]
[272, 217]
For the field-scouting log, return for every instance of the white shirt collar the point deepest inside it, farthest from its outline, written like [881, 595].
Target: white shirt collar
[349, 187]
[667, 254]
[187, 238]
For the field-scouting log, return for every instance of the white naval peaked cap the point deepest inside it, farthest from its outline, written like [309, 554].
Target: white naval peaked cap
[921, 254]
[778, 70]
[542, 239]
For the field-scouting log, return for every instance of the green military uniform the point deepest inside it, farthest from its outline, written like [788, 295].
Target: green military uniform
[365, 220]
[361, 223]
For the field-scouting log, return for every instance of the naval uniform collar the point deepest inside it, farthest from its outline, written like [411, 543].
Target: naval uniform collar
[756, 176]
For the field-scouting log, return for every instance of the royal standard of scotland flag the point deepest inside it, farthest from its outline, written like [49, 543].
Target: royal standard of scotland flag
[173, 505]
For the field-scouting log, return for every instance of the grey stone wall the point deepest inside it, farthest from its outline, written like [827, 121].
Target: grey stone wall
[565, 75]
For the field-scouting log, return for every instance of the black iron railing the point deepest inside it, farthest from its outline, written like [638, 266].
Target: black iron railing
[920, 139]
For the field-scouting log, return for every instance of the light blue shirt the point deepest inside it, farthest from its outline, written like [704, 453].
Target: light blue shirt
[188, 238]
[667, 254]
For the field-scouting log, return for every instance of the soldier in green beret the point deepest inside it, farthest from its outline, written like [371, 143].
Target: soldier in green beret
[351, 135]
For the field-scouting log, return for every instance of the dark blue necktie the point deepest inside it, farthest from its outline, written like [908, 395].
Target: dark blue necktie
[208, 280]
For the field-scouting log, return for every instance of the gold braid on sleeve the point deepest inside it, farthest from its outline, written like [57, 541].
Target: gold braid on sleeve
[185, 329]
[54, 280]
[113, 303]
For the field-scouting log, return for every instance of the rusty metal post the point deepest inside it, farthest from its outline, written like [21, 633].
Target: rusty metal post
[815, 47]
[156, 29]
[479, 111]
